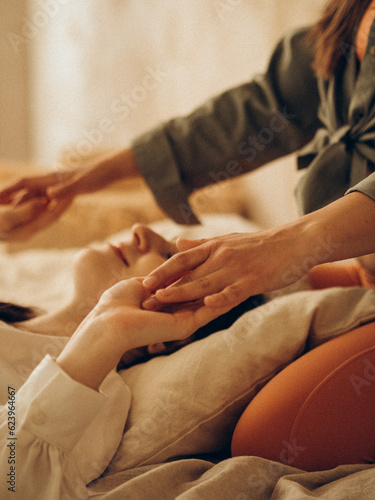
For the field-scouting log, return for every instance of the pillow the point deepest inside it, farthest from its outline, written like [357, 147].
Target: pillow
[189, 402]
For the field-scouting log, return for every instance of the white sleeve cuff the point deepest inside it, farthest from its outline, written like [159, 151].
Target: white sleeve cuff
[54, 407]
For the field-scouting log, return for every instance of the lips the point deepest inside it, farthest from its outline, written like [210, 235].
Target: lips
[120, 254]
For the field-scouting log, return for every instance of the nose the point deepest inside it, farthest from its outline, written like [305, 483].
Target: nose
[142, 237]
[146, 240]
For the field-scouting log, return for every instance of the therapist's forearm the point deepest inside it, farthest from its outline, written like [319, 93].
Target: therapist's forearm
[344, 229]
[227, 269]
[118, 166]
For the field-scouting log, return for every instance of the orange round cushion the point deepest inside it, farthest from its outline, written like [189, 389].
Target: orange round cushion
[318, 412]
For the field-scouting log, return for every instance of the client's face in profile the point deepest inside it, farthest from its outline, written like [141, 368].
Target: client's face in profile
[97, 269]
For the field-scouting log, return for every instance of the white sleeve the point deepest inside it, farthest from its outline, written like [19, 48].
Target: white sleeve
[51, 412]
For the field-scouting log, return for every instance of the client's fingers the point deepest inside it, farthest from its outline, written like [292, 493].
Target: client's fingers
[27, 188]
[24, 220]
[6, 195]
[188, 320]
[27, 211]
[12, 219]
[53, 212]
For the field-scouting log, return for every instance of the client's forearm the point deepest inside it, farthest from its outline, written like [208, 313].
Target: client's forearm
[89, 355]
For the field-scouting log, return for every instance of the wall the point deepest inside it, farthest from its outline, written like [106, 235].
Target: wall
[15, 141]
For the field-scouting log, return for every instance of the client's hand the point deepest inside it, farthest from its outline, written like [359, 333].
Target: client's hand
[59, 188]
[18, 222]
[36, 187]
[118, 324]
[129, 326]
[29, 205]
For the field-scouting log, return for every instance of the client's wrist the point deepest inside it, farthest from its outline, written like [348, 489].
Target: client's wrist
[91, 354]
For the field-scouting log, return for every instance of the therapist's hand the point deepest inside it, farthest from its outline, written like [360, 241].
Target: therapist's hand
[226, 270]
[26, 207]
[24, 201]
[67, 182]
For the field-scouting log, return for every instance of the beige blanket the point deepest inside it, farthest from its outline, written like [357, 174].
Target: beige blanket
[241, 478]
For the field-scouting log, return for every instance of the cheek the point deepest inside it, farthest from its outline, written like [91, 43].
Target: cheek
[146, 264]
[92, 271]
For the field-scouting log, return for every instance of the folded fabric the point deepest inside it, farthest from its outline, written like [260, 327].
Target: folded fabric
[189, 402]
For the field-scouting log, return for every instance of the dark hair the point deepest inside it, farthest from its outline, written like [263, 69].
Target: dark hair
[333, 35]
[226, 320]
[12, 313]
[221, 323]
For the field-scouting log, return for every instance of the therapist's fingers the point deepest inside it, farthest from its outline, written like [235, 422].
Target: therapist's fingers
[184, 244]
[50, 215]
[7, 194]
[232, 295]
[176, 267]
[217, 289]
[30, 188]
[193, 286]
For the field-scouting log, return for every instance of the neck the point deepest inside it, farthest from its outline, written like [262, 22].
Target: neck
[62, 323]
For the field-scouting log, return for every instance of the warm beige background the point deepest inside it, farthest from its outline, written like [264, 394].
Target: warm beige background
[80, 75]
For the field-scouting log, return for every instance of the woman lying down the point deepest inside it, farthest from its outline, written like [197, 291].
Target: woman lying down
[59, 388]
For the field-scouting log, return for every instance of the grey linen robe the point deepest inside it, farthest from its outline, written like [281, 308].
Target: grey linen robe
[330, 123]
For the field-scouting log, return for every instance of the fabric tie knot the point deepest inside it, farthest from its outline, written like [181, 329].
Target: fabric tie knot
[337, 159]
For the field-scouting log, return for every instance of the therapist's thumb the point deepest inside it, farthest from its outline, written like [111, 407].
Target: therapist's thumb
[184, 244]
